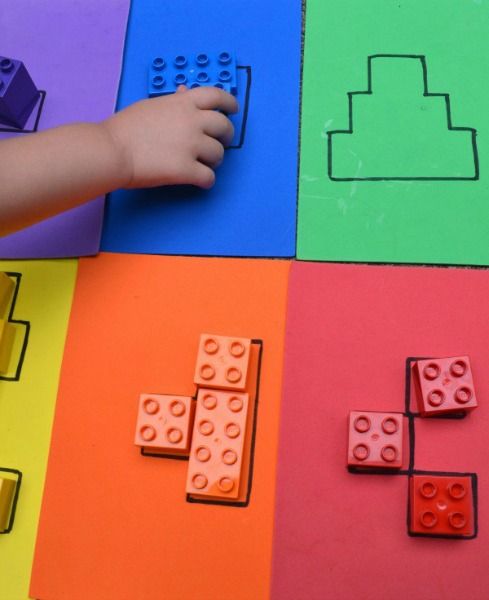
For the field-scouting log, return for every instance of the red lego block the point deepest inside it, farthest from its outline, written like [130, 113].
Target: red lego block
[441, 506]
[222, 362]
[444, 385]
[216, 456]
[164, 424]
[375, 440]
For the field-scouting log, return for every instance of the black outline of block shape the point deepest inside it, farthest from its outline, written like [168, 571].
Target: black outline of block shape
[369, 92]
[37, 109]
[26, 324]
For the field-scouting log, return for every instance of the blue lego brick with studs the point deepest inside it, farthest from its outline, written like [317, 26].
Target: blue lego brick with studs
[192, 70]
[18, 94]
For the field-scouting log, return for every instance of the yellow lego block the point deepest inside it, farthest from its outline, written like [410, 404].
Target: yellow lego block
[6, 290]
[7, 491]
[7, 333]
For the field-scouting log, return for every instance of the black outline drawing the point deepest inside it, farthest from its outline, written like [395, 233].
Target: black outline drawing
[368, 92]
[40, 106]
[13, 510]
[27, 325]
[411, 417]
[244, 121]
[189, 497]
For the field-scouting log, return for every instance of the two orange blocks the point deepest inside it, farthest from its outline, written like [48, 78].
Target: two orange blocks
[213, 429]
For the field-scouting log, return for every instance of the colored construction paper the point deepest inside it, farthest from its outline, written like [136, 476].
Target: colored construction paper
[392, 133]
[116, 524]
[44, 294]
[349, 331]
[251, 210]
[73, 51]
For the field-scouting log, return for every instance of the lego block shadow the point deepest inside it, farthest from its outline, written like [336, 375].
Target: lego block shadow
[32, 124]
[411, 471]
[13, 508]
[22, 330]
[401, 131]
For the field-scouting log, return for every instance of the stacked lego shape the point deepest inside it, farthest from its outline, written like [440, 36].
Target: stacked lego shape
[18, 94]
[440, 505]
[214, 429]
[219, 70]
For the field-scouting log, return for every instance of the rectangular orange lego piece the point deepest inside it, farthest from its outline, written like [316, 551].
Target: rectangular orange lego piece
[216, 456]
[7, 491]
[7, 334]
[164, 423]
[6, 290]
[222, 362]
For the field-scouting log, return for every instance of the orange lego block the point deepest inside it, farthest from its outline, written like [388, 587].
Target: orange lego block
[222, 362]
[6, 290]
[164, 423]
[7, 491]
[216, 456]
[7, 334]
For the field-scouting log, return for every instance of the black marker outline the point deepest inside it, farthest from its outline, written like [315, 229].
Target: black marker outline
[244, 121]
[17, 276]
[40, 106]
[426, 93]
[13, 509]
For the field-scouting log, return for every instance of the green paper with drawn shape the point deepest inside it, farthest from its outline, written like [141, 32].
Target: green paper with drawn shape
[395, 110]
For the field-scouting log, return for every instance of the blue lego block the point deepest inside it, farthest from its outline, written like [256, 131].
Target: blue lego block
[219, 70]
[18, 94]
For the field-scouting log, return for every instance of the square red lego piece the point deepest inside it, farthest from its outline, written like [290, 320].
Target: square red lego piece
[444, 385]
[222, 362]
[375, 440]
[441, 506]
[216, 457]
[164, 423]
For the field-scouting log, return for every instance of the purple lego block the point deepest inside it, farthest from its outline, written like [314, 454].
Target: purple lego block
[18, 94]
[216, 69]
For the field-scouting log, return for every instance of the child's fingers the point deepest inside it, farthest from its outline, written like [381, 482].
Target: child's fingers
[218, 126]
[212, 98]
[211, 152]
[201, 175]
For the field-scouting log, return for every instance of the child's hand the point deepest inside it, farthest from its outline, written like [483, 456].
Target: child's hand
[176, 139]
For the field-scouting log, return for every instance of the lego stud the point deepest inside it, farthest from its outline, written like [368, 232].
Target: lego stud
[224, 58]
[158, 63]
[235, 404]
[202, 77]
[233, 374]
[361, 452]
[194, 85]
[6, 65]
[237, 349]
[211, 346]
[431, 371]
[225, 484]
[209, 401]
[457, 520]
[180, 78]
[456, 490]
[202, 60]
[225, 76]
[180, 61]
[389, 453]
[436, 398]
[207, 372]
[232, 430]
[158, 81]
[206, 427]
[458, 368]
[203, 453]
[229, 457]
[428, 489]
[174, 435]
[428, 519]
[219, 85]
[147, 433]
[390, 425]
[199, 481]
[177, 408]
[362, 424]
[463, 395]
[151, 406]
